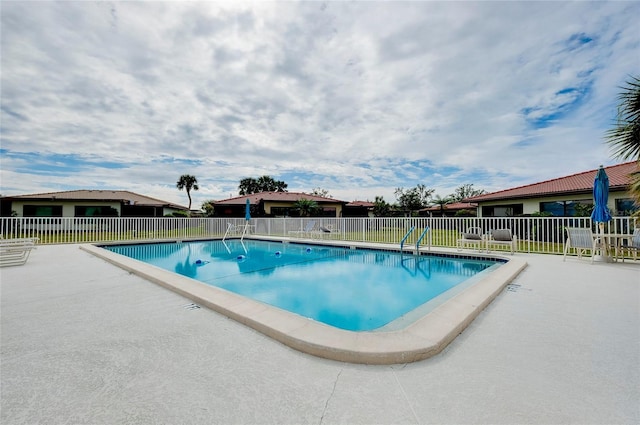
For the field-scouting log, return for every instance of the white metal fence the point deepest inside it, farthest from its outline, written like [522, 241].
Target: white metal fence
[535, 234]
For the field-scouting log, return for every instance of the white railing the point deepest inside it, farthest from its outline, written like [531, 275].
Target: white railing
[535, 234]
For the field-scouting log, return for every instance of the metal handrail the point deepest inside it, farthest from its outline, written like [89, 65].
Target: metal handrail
[424, 232]
[229, 226]
[406, 236]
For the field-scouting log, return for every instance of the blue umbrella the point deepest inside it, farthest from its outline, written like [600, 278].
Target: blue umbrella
[247, 209]
[600, 213]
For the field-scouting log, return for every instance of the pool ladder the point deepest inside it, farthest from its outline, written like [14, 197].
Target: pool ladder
[424, 233]
[406, 236]
[234, 228]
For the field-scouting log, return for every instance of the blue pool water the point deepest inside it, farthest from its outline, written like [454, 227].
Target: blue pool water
[353, 289]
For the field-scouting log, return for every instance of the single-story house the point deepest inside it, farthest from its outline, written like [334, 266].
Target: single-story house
[87, 203]
[451, 210]
[275, 204]
[562, 197]
[358, 209]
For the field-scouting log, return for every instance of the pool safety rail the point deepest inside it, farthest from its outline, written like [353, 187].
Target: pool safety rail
[422, 235]
[233, 229]
[406, 236]
[420, 339]
[418, 241]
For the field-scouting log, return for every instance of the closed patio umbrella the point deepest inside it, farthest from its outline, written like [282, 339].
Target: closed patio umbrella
[600, 213]
[247, 210]
[247, 217]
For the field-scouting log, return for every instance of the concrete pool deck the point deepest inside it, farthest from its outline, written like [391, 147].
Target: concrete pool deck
[83, 341]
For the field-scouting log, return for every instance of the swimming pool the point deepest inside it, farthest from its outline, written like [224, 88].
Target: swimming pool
[351, 289]
[426, 333]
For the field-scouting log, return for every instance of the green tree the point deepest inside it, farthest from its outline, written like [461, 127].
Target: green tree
[320, 192]
[413, 199]
[188, 183]
[251, 185]
[208, 208]
[624, 137]
[465, 191]
[247, 186]
[179, 213]
[381, 208]
[306, 207]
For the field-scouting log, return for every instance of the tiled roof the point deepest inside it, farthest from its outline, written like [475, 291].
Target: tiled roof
[255, 198]
[98, 195]
[453, 206]
[575, 183]
[366, 204]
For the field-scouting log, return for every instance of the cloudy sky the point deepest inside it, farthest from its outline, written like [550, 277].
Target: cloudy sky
[357, 98]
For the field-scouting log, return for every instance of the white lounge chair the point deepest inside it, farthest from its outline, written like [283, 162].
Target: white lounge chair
[473, 236]
[580, 239]
[503, 237]
[15, 252]
[307, 231]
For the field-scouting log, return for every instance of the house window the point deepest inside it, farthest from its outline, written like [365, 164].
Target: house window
[327, 212]
[626, 207]
[280, 211]
[95, 211]
[510, 210]
[580, 208]
[42, 211]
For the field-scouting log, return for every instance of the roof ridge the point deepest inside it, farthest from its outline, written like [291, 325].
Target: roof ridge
[116, 192]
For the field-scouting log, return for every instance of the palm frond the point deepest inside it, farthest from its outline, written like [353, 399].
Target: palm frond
[624, 138]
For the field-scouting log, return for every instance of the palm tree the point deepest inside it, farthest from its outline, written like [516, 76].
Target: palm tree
[189, 183]
[625, 136]
[305, 207]
[442, 202]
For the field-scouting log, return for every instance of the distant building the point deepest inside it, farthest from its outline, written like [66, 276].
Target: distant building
[466, 209]
[276, 204]
[87, 203]
[358, 209]
[561, 197]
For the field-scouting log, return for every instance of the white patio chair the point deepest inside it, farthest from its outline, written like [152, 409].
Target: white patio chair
[473, 236]
[633, 245]
[503, 237]
[580, 239]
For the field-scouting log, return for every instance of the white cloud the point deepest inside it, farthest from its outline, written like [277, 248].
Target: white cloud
[356, 98]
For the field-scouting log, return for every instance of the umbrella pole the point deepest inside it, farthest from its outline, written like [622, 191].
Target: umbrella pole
[602, 245]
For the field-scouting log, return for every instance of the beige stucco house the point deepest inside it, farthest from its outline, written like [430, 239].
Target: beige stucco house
[87, 203]
[276, 204]
[561, 197]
